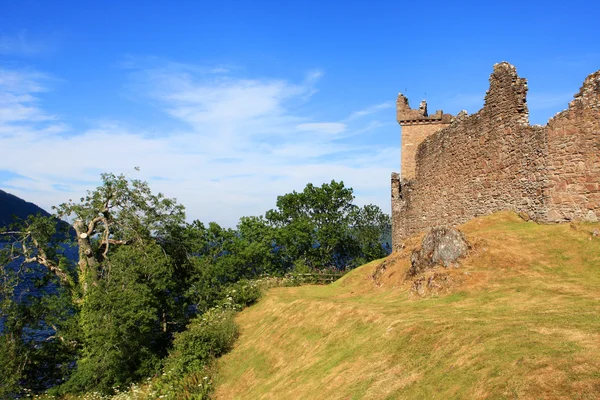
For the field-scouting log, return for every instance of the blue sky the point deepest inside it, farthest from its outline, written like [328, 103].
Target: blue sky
[225, 105]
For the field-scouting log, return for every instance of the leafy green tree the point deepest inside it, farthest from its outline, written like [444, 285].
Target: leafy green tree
[371, 228]
[140, 269]
[125, 289]
[321, 228]
[256, 247]
[220, 256]
[131, 299]
[13, 353]
[119, 212]
[124, 320]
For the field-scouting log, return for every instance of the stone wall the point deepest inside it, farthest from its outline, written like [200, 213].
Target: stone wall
[494, 160]
[574, 157]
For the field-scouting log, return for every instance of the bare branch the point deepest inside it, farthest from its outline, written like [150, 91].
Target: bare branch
[43, 259]
[114, 241]
[106, 239]
[6, 233]
[92, 225]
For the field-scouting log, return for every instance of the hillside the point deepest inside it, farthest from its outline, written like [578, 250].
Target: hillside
[11, 205]
[519, 319]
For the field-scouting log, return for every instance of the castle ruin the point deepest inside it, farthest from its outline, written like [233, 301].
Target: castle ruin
[458, 168]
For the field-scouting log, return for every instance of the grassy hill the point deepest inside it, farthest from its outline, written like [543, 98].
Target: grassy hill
[519, 319]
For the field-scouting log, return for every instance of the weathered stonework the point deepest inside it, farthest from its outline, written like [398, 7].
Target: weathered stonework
[416, 125]
[574, 157]
[494, 160]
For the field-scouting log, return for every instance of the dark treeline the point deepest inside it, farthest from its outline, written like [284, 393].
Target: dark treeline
[142, 273]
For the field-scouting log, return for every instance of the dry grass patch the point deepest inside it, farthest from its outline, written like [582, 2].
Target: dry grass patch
[521, 321]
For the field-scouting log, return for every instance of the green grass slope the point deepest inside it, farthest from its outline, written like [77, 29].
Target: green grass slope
[519, 319]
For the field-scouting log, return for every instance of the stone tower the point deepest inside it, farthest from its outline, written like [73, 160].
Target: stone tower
[416, 126]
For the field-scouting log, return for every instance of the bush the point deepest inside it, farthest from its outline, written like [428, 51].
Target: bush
[187, 369]
[241, 294]
[206, 338]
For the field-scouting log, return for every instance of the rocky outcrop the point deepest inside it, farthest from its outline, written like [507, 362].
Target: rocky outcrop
[441, 246]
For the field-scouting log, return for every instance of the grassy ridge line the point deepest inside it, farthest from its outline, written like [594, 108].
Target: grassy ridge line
[522, 322]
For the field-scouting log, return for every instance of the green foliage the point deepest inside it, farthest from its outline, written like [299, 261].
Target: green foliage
[208, 336]
[12, 365]
[257, 247]
[32, 301]
[142, 273]
[188, 372]
[119, 212]
[125, 320]
[371, 229]
[320, 228]
[126, 209]
[224, 256]
[28, 364]
[38, 239]
[241, 294]
[13, 358]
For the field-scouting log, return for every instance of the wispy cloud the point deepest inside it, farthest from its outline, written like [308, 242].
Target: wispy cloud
[241, 133]
[322, 127]
[21, 44]
[370, 110]
[19, 102]
[313, 76]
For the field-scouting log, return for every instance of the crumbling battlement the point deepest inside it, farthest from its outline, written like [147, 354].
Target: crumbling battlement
[406, 115]
[494, 160]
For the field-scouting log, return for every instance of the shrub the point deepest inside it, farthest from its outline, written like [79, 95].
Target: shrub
[241, 294]
[206, 338]
[187, 372]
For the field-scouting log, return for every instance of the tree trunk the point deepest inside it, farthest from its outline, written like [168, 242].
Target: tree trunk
[88, 265]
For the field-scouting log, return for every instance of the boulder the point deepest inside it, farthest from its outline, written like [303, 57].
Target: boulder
[441, 246]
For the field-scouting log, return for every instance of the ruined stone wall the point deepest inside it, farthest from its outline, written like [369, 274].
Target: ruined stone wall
[574, 157]
[494, 160]
[489, 161]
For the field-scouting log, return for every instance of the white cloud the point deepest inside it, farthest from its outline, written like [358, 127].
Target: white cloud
[330, 128]
[18, 101]
[243, 147]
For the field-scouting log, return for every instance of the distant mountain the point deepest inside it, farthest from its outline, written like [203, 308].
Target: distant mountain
[11, 205]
